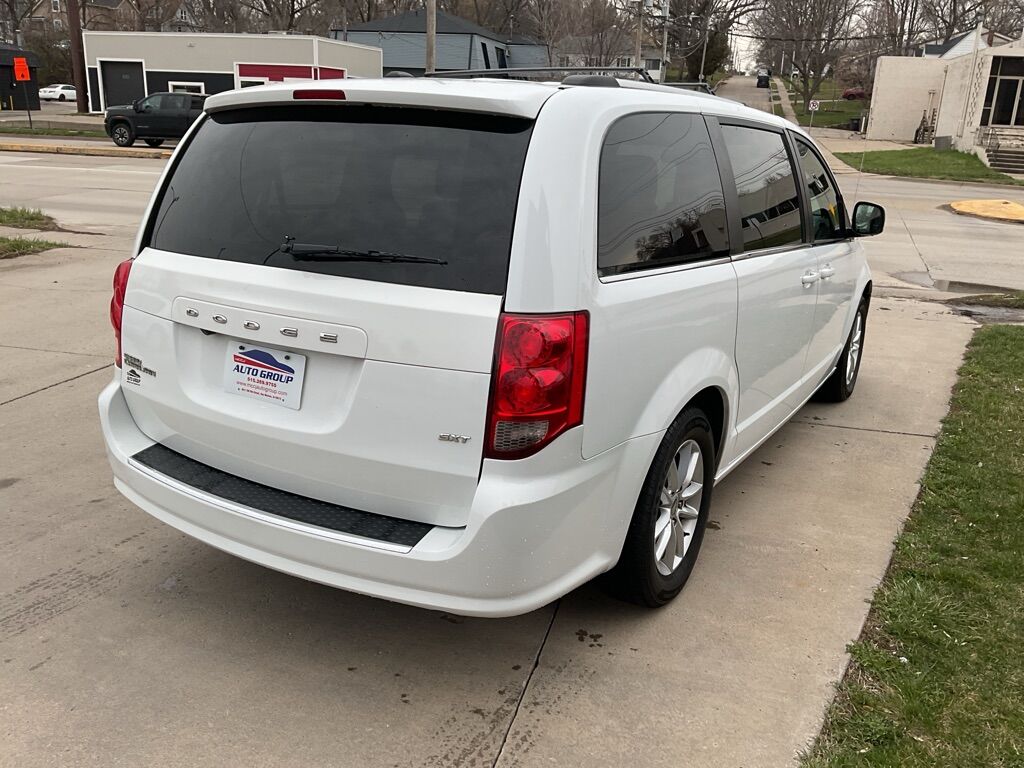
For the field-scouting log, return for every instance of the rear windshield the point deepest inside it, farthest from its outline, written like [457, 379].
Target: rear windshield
[430, 184]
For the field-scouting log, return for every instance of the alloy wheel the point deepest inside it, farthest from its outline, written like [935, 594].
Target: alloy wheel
[854, 354]
[678, 507]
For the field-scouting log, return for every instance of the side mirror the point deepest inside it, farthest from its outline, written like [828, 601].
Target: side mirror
[868, 219]
[135, 105]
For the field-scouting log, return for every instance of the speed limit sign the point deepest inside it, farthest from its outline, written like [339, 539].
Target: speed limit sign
[813, 106]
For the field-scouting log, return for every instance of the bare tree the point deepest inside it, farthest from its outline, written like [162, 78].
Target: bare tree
[950, 17]
[550, 21]
[817, 33]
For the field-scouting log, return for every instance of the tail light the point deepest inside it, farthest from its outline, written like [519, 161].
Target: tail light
[117, 303]
[319, 94]
[538, 382]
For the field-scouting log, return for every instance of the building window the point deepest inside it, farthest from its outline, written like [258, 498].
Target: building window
[182, 14]
[652, 63]
[58, 25]
[624, 61]
[563, 61]
[55, 6]
[487, 56]
[1004, 97]
[180, 87]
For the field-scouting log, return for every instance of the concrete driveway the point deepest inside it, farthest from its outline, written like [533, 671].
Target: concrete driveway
[124, 643]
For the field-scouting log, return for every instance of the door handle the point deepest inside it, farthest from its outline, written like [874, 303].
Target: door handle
[809, 278]
[827, 271]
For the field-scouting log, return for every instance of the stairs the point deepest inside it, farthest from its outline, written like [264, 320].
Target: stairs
[1006, 160]
[1004, 149]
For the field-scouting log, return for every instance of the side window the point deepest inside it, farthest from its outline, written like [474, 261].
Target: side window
[152, 103]
[176, 102]
[660, 199]
[769, 204]
[826, 208]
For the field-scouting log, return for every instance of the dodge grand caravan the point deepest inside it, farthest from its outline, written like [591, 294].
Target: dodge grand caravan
[467, 344]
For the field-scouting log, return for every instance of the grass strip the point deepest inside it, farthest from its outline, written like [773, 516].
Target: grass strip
[926, 163]
[937, 677]
[10, 247]
[27, 218]
[1002, 300]
[20, 131]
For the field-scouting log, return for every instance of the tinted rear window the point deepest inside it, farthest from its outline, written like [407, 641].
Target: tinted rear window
[433, 184]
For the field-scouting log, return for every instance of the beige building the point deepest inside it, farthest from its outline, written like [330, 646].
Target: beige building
[973, 102]
[124, 66]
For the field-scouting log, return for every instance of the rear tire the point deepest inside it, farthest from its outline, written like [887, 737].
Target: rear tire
[671, 514]
[122, 134]
[62, 97]
[154, 142]
[840, 385]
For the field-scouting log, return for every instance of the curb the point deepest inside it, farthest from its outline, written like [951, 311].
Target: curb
[66, 149]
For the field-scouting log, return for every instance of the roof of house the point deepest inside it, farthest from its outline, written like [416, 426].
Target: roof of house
[938, 47]
[416, 21]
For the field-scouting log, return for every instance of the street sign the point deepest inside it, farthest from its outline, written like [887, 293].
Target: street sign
[21, 73]
[813, 106]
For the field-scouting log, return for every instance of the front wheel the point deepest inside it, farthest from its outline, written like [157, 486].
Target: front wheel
[839, 386]
[671, 514]
[122, 135]
[154, 142]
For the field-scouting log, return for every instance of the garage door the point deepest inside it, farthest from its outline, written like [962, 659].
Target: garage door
[122, 82]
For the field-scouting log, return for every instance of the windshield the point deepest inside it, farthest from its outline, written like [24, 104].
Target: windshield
[432, 184]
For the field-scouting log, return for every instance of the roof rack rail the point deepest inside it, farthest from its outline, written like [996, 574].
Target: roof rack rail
[513, 71]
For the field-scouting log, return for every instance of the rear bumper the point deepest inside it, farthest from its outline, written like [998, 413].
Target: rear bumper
[537, 528]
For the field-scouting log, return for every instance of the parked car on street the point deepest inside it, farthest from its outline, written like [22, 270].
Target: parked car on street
[468, 344]
[854, 94]
[154, 119]
[762, 78]
[58, 92]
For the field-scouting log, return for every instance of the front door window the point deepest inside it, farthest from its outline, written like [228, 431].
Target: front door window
[1004, 95]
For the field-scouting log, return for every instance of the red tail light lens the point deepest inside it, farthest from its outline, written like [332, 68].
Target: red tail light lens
[537, 386]
[117, 303]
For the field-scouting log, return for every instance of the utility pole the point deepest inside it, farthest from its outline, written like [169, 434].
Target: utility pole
[431, 35]
[704, 50]
[664, 41]
[77, 60]
[638, 58]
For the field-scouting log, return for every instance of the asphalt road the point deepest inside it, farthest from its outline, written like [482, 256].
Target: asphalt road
[125, 643]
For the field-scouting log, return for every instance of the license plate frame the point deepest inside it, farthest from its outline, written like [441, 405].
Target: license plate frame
[267, 374]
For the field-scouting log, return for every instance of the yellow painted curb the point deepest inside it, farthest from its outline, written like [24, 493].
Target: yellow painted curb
[101, 151]
[1000, 210]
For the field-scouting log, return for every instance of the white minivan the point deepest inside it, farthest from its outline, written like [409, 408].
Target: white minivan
[466, 343]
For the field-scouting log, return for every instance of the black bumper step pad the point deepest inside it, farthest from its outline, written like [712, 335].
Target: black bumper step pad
[273, 501]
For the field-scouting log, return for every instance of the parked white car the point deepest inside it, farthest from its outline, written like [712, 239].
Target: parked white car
[58, 92]
[467, 344]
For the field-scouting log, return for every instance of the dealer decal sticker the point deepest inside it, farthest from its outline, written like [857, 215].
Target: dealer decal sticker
[264, 374]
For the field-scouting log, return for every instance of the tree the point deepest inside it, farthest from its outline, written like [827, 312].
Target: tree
[14, 15]
[818, 33]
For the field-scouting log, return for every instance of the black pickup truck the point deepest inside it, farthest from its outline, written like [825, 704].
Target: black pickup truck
[154, 119]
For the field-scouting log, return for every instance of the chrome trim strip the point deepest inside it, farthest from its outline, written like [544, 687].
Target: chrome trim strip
[632, 275]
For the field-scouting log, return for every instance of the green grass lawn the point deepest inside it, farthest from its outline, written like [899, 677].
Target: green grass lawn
[831, 113]
[1002, 300]
[18, 131]
[26, 218]
[937, 676]
[23, 246]
[926, 163]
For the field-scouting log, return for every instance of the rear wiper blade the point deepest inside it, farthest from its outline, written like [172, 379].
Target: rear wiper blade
[314, 252]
